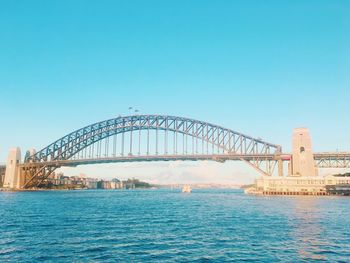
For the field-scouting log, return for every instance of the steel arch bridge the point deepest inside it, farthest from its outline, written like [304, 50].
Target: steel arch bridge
[148, 138]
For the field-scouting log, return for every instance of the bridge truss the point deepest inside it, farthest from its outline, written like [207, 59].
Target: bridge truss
[332, 160]
[149, 138]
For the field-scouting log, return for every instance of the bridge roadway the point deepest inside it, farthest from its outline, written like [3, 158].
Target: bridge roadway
[332, 155]
[332, 159]
[323, 159]
[151, 158]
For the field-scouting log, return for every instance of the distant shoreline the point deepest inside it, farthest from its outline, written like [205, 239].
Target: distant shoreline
[88, 189]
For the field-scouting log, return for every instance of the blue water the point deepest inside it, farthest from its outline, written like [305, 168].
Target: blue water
[168, 226]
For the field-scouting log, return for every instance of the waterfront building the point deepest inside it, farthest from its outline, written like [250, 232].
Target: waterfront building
[307, 185]
[106, 185]
[91, 183]
[129, 186]
[303, 176]
[116, 184]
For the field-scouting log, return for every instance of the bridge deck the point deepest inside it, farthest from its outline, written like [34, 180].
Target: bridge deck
[151, 158]
[332, 155]
[333, 160]
[322, 156]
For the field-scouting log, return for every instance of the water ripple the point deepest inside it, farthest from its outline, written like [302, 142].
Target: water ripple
[167, 226]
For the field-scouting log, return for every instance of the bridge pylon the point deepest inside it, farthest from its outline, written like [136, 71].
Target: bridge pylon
[12, 175]
[303, 163]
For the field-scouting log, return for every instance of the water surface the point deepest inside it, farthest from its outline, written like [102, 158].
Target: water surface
[168, 226]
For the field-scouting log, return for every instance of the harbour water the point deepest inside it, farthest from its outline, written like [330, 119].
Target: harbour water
[169, 226]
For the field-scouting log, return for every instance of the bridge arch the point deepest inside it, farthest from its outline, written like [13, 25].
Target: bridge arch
[226, 141]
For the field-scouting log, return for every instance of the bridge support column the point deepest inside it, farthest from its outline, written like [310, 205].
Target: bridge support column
[280, 167]
[303, 163]
[12, 174]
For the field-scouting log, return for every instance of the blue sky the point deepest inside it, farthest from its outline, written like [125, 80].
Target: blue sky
[258, 67]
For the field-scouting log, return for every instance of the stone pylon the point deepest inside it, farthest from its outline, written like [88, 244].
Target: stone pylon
[303, 163]
[12, 173]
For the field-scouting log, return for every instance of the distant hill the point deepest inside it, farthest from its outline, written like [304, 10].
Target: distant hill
[344, 175]
[138, 183]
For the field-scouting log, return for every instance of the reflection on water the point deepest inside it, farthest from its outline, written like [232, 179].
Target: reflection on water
[308, 230]
[168, 226]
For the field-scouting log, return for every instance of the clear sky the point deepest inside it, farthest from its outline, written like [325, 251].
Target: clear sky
[258, 67]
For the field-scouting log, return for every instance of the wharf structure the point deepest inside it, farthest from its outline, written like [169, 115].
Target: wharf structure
[303, 178]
